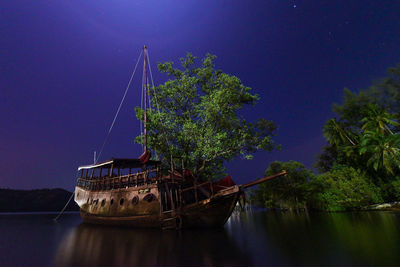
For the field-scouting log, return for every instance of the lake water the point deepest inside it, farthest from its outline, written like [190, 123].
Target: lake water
[248, 239]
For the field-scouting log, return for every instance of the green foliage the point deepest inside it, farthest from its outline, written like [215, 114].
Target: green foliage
[390, 189]
[289, 191]
[378, 119]
[337, 134]
[366, 134]
[395, 188]
[197, 118]
[385, 94]
[326, 159]
[383, 150]
[342, 188]
[352, 111]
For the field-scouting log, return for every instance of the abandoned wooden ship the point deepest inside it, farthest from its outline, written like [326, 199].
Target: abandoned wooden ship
[141, 193]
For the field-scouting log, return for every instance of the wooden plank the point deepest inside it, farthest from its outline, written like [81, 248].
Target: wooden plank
[261, 180]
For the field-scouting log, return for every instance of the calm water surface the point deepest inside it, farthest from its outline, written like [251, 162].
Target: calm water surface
[248, 239]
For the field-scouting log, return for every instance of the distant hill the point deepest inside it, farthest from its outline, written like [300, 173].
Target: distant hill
[35, 200]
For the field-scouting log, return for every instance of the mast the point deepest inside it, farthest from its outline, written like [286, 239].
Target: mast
[145, 99]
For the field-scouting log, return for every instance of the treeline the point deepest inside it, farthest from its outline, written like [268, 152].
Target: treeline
[35, 200]
[359, 166]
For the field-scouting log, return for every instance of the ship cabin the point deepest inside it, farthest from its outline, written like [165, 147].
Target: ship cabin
[181, 188]
[118, 173]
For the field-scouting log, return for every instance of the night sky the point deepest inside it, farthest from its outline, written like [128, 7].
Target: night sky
[65, 65]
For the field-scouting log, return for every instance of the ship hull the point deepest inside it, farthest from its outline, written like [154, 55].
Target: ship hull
[137, 221]
[105, 208]
[212, 212]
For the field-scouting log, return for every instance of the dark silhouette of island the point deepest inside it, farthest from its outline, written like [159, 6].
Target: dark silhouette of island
[36, 200]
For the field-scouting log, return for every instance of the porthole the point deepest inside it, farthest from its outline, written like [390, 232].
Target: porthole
[149, 197]
[112, 201]
[103, 202]
[121, 201]
[135, 200]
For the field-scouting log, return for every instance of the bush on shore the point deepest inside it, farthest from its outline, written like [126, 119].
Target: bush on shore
[342, 188]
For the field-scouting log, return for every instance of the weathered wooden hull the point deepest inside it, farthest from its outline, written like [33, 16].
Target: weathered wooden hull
[139, 221]
[212, 212]
[104, 207]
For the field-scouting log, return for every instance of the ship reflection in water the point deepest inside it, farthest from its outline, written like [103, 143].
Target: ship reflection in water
[247, 239]
[90, 245]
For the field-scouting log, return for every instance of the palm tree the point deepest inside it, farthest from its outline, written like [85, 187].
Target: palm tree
[335, 133]
[383, 150]
[378, 118]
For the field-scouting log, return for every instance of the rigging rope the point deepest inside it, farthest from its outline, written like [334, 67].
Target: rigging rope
[112, 125]
[141, 103]
[152, 82]
[63, 209]
[119, 108]
[158, 107]
[147, 83]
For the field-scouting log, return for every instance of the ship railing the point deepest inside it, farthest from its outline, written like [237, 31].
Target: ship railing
[200, 191]
[122, 181]
[198, 185]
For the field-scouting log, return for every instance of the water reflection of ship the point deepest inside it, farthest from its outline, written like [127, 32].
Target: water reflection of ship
[91, 245]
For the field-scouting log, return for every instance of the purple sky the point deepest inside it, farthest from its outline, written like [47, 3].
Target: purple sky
[65, 65]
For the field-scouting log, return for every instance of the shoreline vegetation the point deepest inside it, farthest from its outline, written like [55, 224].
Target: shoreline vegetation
[360, 165]
[53, 200]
